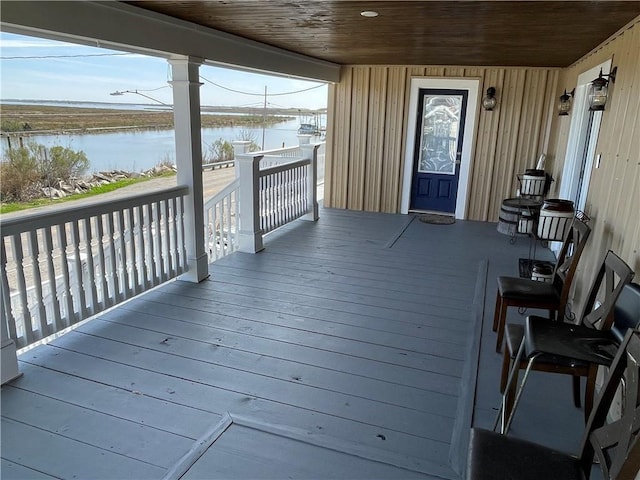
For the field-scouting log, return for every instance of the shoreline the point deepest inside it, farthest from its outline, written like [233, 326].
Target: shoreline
[28, 120]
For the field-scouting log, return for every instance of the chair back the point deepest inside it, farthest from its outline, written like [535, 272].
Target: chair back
[616, 444]
[611, 278]
[568, 257]
[626, 313]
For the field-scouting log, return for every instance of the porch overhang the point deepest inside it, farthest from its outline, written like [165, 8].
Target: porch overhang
[124, 27]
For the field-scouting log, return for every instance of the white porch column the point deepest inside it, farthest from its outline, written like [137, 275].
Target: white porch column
[186, 118]
[311, 151]
[249, 234]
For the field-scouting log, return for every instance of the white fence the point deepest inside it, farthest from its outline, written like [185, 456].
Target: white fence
[60, 268]
[272, 188]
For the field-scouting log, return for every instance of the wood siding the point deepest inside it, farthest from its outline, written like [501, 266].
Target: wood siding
[367, 127]
[613, 201]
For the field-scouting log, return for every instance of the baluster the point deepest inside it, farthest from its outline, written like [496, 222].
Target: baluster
[285, 208]
[166, 255]
[230, 241]
[305, 190]
[102, 277]
[70, 317]
[153, 274]
[114, 261]
[53, 287]
[156, 242]
[216, 226]
[8, 319]
[18, 255]
[134, 254]
[212, 230]
[296, 201]
[293, 195]
[264, 206]
[137, 224]
[37, 283]
[171, 241]
[78, 269]
[91, 272]
[274, 204]
[124, 256]
[183, 241]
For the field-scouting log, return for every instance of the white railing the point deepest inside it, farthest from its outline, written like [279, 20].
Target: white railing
[279, 156]
[221, 222]
[284, 194]
[60, 268]
[272, 188]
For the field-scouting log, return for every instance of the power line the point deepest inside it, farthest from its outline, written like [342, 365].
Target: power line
[259, 94]
[36, 57]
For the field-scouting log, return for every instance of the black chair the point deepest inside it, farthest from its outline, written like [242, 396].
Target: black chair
[616, 445]
[528, 293]
[626, 314]
[567, 348]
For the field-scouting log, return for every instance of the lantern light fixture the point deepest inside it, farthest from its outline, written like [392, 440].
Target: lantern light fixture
[564, 106]
[599, 90]
[489, 101]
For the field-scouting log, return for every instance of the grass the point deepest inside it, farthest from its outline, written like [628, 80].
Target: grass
[30, 119]
[40, 202]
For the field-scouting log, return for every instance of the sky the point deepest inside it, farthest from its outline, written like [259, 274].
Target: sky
[34, 68]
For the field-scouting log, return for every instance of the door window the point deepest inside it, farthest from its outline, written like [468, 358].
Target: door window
[439, 129]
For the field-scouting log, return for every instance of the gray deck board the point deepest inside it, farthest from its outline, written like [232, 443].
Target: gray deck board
[232, 341]
[60, 456]
[349, 339]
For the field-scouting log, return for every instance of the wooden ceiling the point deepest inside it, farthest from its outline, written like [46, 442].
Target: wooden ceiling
[466, 32]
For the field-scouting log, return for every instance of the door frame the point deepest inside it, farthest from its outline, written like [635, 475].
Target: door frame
[577, 140]
[472, 85]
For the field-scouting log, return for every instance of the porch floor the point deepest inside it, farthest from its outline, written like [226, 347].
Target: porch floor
[348, 348]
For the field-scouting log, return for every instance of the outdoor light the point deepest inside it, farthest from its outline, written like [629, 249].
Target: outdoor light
[118, 93]
[599, 90]
[489, 101]
[369, 14]
[564, 106]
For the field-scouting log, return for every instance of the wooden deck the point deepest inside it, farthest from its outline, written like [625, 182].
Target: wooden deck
[348, 348]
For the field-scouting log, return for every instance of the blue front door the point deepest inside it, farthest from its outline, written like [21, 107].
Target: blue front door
[438, 149]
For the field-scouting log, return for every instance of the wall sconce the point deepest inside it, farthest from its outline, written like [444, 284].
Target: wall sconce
[489, 101]
[598, 90]
[564, 106]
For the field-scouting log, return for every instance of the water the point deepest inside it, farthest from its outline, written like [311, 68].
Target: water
[136, 151]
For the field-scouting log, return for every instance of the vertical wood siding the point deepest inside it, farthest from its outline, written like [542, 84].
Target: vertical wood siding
[613, 200]
[367, 133]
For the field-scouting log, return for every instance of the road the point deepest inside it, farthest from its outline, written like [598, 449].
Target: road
[213, 181]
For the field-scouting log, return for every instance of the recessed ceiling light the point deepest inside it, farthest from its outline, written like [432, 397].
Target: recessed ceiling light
[369, 13]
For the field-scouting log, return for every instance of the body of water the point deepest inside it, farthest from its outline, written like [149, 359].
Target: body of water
[139, 150]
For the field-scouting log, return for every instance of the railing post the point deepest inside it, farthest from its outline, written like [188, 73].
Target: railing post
[250, 233]
[240, 147]
[8, 358]
[186, 114]
[311, 151]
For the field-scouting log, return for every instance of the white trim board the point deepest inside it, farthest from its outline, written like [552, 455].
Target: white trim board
[473, 88]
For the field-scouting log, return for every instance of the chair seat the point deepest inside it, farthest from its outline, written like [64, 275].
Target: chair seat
[560, 341]
[514, 334]
[498, 457]
[527, 290]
